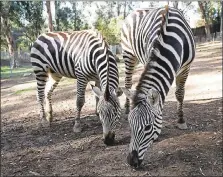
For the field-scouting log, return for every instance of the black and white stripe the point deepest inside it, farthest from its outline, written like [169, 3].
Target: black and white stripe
[85, 56]
[162, 40]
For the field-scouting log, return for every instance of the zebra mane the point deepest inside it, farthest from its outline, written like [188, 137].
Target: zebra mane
[153, 56]
[107, 92]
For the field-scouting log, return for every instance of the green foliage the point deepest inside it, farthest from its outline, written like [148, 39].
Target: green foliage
[70, 18]
[110, 29]
[16, 72]
[212, 11]
[64, 16]
[33, 21]
[109, 19]
[3, 42]
[25, 21]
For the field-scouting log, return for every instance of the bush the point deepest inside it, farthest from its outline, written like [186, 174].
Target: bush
[111, 29]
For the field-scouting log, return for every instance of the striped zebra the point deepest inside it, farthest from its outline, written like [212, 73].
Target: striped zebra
[85, 56]
[162, 40]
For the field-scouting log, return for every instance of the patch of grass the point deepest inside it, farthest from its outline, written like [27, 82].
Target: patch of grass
[16, 72]
[66, 81]
[24, 90]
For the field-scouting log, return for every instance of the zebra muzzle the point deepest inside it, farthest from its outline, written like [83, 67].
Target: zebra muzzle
[109, 139]
[133, 159]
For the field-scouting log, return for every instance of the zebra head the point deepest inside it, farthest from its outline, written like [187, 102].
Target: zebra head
[109, 112]
[145, 123]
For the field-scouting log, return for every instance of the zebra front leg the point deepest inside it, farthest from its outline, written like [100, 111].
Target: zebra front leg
[180, 91]
[96, 107]
[81, 87]
[51, 85]
[130, 63]
[97, 84]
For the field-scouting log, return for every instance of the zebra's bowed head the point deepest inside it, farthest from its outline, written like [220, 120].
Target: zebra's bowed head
[108, 106]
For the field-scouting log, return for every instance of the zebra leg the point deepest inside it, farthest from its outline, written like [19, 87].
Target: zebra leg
[180, 90]
[50, 86]
[130, 63]
[41, 78]
[97, 84]
[81, 87]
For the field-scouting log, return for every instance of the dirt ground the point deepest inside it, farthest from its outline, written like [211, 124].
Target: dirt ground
[28, 149]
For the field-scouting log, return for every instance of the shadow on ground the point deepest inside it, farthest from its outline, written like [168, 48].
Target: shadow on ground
[28, 148]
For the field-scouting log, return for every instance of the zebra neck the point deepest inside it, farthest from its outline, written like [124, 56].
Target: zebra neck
[147, 91]
[156, 77]
[111, 88]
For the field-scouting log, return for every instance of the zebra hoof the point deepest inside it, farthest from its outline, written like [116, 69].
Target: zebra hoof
[49, 118]
[97, 114]
[44, 123]
[182, 126]
[77, 128]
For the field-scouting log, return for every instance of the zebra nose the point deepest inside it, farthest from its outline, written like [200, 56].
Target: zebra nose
[133, 159]
[109, 139]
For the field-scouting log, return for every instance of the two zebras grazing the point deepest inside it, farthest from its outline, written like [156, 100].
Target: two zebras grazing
[161, 39]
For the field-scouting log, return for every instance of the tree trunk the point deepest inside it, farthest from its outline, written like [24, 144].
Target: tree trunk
[118, 8]
[207, 29]
[221, 17]
[50, 23]
[56, 15]
[11, 48]
[6, 30]
[74, 8]
[9, 39]
[125, 9]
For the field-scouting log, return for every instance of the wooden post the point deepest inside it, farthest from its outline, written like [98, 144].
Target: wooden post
[50, 23]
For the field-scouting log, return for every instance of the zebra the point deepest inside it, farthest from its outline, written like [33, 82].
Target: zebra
[162, 40]
[84, 56]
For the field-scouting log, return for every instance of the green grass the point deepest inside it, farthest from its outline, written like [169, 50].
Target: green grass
[24, 90]
[16, 72]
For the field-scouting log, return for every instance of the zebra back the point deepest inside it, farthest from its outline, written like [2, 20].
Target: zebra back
[167, 57]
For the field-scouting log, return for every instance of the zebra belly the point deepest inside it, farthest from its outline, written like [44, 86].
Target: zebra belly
[58, 74]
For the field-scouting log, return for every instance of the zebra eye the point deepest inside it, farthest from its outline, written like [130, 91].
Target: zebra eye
[148, 127]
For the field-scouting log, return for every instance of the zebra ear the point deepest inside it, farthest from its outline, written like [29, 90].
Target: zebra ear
[153, 97]
[96, 91]
[128, 93]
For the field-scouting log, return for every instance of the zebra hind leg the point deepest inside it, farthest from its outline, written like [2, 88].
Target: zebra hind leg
[180, 91]
[81, 87]
[97, 99]
[41, 78]
[50, 86]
